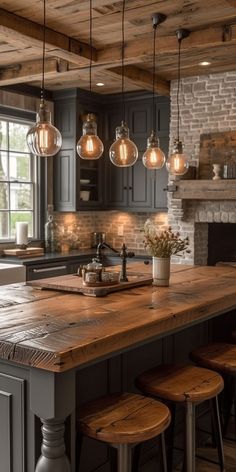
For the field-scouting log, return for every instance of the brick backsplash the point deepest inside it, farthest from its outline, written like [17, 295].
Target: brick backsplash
[84, 223]
[207, 104]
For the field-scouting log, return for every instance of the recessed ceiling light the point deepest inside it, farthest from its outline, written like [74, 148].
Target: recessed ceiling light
[204, 63]
[100, 84]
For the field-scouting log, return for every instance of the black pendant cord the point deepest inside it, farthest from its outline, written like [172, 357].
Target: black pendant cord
[91, 45]
[178, 87]
[122, 60]
[153, 78]
[44, 47]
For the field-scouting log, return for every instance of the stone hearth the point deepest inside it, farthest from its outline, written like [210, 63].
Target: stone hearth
[193, 217]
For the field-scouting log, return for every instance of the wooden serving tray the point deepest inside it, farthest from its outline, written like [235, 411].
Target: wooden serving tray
[71, 283]
[22, 253]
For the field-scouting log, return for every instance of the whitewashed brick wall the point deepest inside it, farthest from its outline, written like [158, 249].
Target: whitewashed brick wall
[207, 104]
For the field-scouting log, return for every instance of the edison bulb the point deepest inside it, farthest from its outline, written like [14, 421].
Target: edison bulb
[154, 157]
[44, 139]
[90, 145]
[177, 163]
[123, 152]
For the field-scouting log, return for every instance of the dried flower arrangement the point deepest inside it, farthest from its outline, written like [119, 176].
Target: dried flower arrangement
[163, 243]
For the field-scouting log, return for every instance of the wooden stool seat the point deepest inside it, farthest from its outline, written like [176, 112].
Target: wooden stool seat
[124, 418]
[187, 385]
[181, 383]
[217, 356]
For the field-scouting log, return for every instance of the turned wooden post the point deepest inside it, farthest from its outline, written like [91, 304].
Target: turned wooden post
[52, 399]
[53, 448]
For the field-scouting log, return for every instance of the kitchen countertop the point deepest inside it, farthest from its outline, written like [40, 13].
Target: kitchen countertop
[62, 256]
[57, 332]
[49, 257]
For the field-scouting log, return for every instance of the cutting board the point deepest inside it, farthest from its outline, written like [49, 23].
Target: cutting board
[22, 253]
[73, 283]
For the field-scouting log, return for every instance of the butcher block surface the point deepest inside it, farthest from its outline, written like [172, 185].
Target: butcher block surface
[58, 331]
[73, 283]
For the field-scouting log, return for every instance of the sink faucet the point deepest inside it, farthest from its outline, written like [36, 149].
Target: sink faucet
[124, 254]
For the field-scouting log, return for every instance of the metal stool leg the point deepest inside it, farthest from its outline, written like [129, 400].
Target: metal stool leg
[163, 453]
[172, 438]
[124, 457]
[190, 437]
[219, 441]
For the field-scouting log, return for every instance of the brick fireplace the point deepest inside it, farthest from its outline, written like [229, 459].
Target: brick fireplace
[195, 219]
[207, 105]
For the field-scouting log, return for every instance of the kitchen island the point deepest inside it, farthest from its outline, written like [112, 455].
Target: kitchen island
[48, 337]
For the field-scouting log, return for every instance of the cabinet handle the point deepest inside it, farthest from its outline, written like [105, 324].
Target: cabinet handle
[125, 188]
[130, 188]
[48, 269]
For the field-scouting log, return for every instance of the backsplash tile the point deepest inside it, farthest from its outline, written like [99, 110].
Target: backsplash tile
[76, 228]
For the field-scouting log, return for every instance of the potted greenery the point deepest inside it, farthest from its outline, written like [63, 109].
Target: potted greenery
[162, 244]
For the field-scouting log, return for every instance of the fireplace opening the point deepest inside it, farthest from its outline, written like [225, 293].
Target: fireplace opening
[221, 243]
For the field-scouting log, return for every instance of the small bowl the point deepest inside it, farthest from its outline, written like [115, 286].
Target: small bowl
[84, 195]
[110, 277]
[84, 181]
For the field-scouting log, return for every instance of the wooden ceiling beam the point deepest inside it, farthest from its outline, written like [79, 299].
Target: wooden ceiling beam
[139, 51]
[20, 31]
[142, 78]
[31, 71]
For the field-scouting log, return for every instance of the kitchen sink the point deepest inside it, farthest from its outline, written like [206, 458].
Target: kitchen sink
[12, 273]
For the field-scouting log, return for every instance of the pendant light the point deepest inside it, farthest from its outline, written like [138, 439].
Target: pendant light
[90, 146]
[43, 139]
[154, 157]
[123, 152]
[178, 163]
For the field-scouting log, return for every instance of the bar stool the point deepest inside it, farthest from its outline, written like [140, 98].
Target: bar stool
[124, 420]
[220, 357]
[187, 385]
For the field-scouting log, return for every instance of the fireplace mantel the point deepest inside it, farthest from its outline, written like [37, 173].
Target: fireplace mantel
[205, 189]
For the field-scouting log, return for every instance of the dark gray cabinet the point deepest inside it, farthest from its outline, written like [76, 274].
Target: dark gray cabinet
[78, 184]
[12, 425]
[42, 270]
[137, 188]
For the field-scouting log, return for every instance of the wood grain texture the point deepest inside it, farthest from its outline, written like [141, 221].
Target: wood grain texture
[73, 283]
[213, 34]
[217, 356]
[124, 418]
[58, 332]
[181, 383]
[206, 189]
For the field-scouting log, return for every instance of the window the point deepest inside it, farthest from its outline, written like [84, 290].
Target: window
[18, 178]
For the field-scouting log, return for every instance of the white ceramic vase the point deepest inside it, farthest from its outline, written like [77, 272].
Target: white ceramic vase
[161, 271]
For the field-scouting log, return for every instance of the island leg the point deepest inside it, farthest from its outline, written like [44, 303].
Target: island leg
[52, 399]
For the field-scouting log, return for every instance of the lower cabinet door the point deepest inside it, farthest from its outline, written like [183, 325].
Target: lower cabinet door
[12, 424]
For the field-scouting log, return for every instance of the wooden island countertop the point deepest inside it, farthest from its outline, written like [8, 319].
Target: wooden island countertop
[59, 331]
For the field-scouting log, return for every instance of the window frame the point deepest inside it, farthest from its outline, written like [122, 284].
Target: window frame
[36, 169]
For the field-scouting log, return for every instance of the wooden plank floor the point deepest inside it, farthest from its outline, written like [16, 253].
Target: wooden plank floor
[202, 465]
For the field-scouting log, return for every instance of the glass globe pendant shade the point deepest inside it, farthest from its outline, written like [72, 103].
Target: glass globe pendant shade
[90, 145]
[43, 139]
[177, 163]
[154, 157]
[123, 152]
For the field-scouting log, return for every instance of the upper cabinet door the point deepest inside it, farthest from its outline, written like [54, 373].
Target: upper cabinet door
[78, 183]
